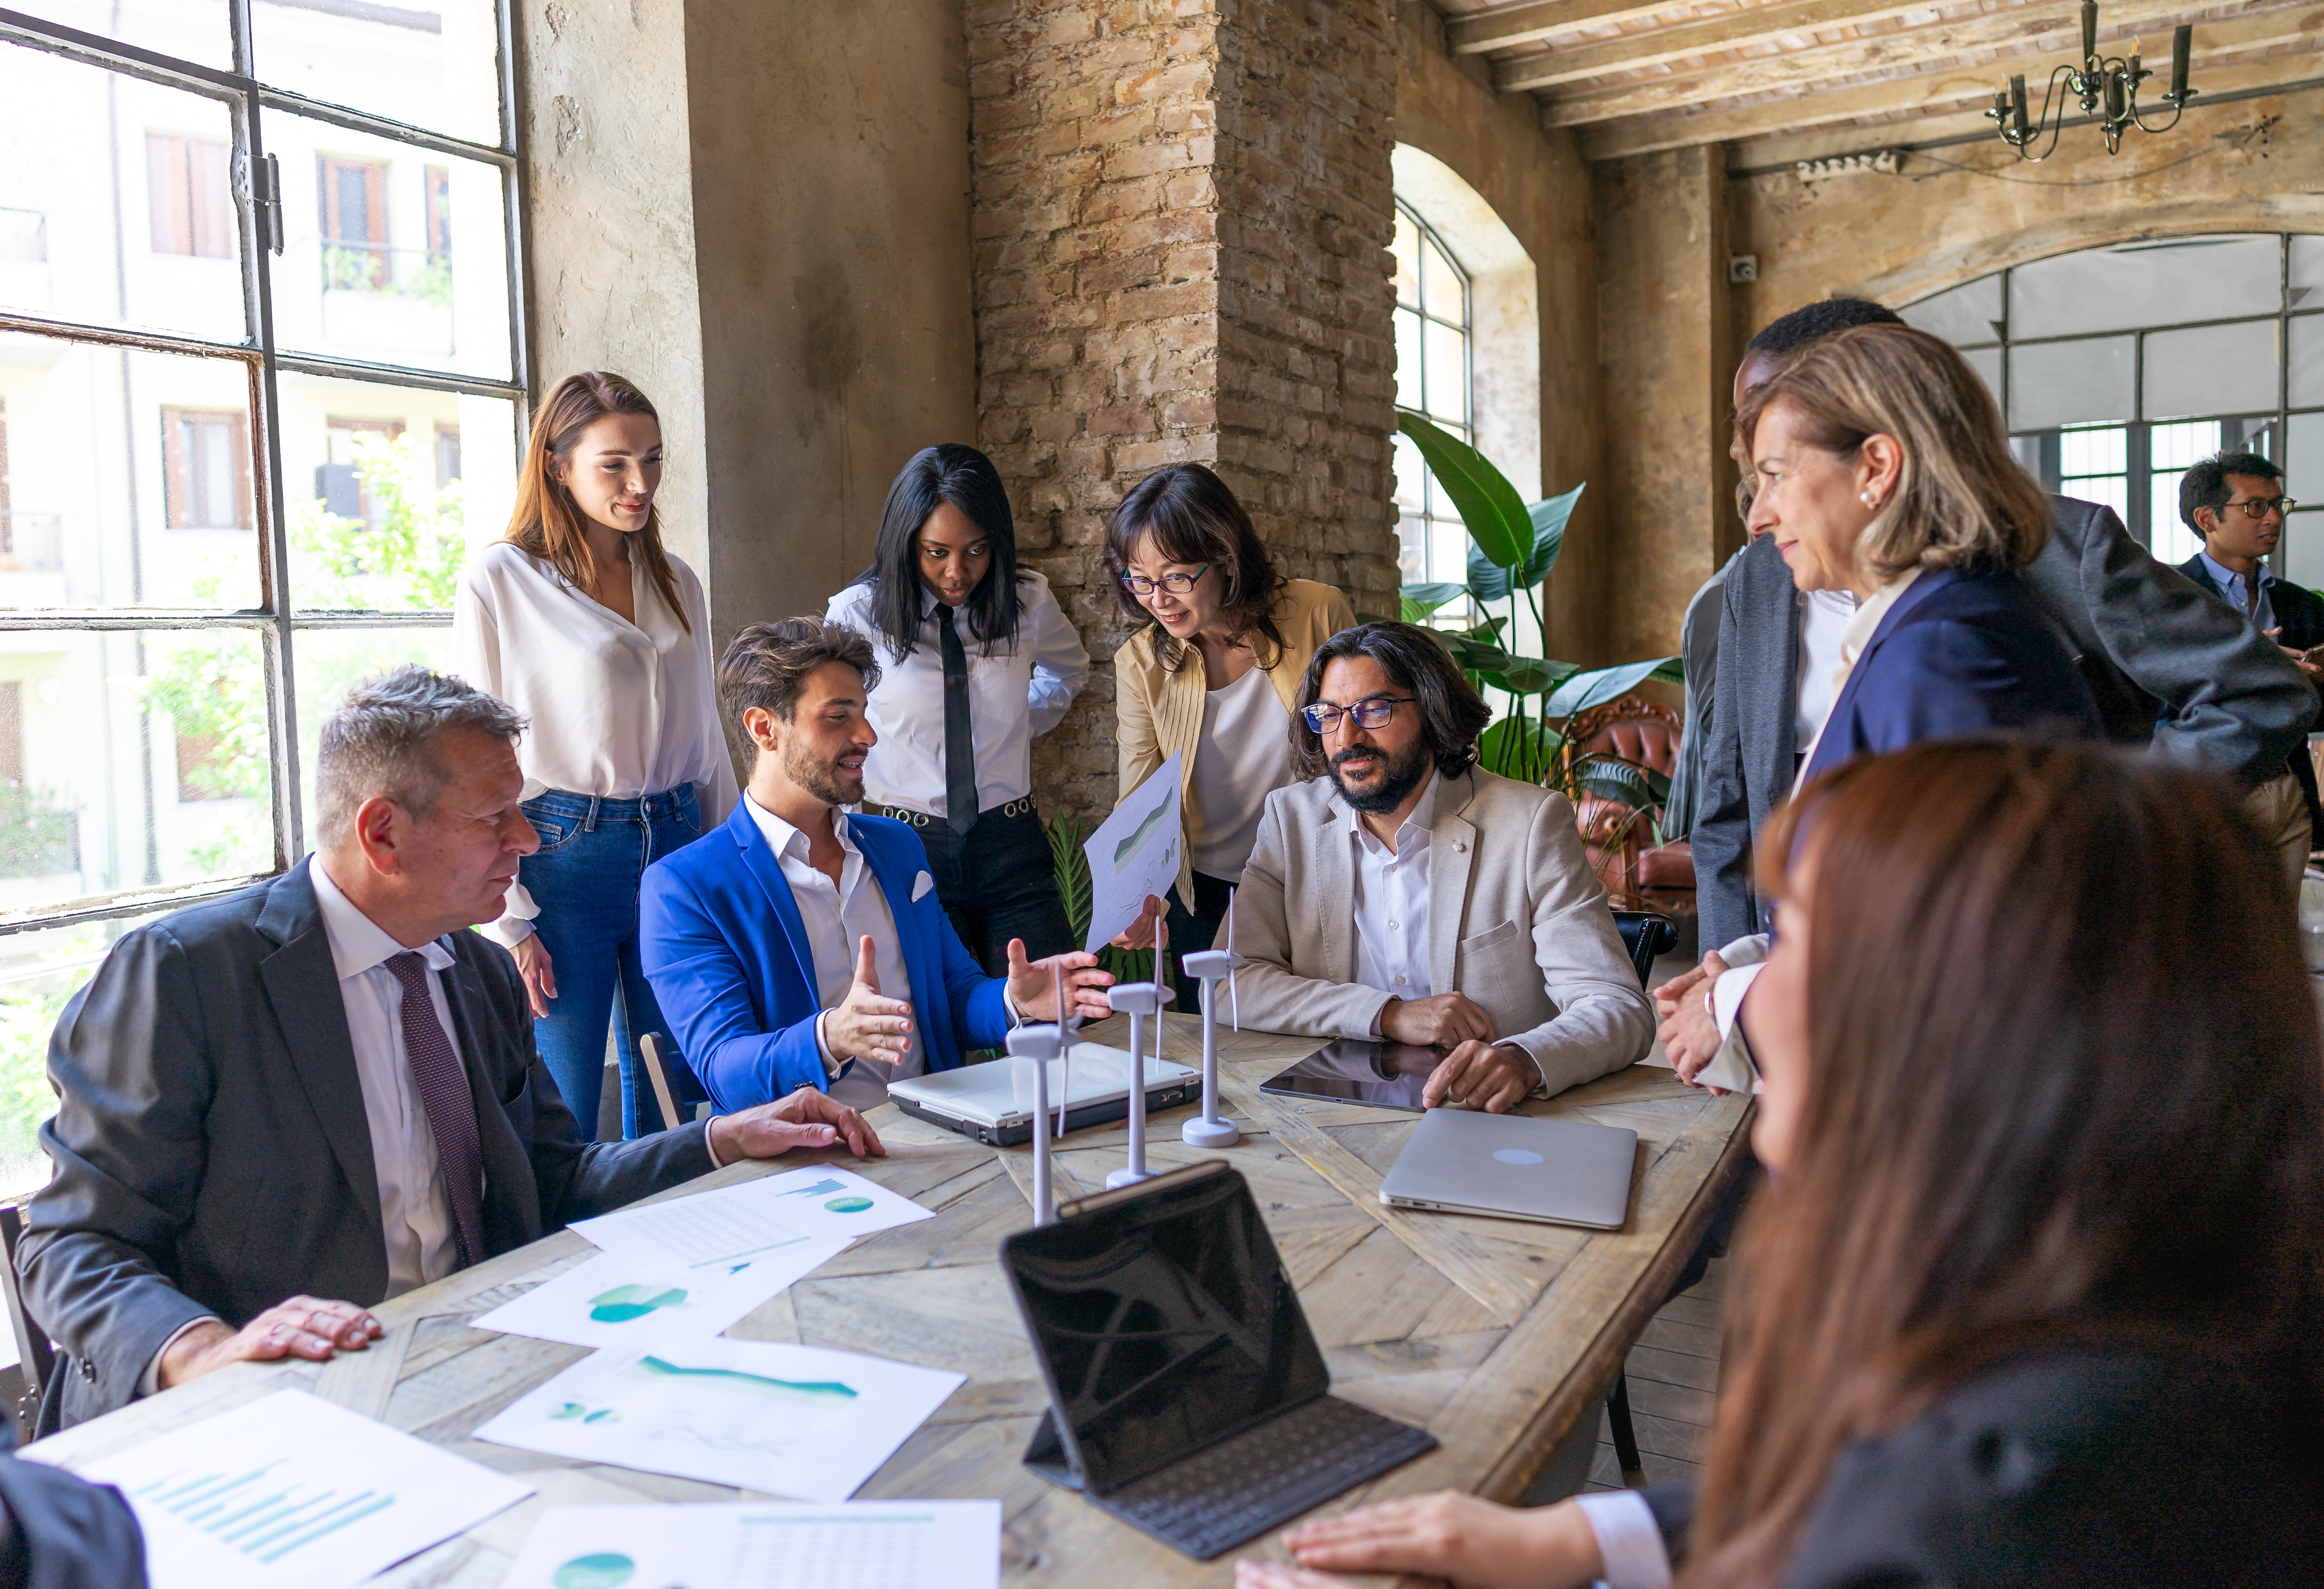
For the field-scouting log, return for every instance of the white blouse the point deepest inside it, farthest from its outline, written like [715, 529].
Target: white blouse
[1243, 756]
[619, 709]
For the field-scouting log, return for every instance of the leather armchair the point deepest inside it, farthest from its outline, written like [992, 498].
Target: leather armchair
[1639, 873]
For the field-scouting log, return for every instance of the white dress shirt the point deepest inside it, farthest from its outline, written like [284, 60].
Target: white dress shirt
[1244, 755]
[1630, 1540]
[1391, 903]
[1015, 692]
[618, 710]
[836, 917]
[1822, 616]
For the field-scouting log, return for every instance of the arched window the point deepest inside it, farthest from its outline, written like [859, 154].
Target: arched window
[1433, 377]
[2119, 367]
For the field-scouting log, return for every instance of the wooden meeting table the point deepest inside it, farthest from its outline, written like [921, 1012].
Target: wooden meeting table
[1496, 1335]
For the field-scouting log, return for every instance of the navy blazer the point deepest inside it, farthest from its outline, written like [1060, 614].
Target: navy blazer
[1958, 655]
[729, 960]
[2300, 624]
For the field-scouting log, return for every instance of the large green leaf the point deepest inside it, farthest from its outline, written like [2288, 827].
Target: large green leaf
[1525, 748]
[1420, 601]
[1613, 778]
[1488, 505]
[1490, 584]
[1584, 690]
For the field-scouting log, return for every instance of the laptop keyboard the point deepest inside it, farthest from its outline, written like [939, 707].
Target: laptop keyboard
[1215, 1499]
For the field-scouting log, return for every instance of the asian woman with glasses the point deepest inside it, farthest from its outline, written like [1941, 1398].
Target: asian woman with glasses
[1211, 675]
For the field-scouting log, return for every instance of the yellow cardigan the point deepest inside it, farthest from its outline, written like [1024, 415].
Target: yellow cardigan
[1158, 712]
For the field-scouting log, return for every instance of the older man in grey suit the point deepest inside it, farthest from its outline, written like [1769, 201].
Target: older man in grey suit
[1403, 893]
[278, 1108]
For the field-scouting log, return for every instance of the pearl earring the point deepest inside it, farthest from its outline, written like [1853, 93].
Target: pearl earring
[1865, 498]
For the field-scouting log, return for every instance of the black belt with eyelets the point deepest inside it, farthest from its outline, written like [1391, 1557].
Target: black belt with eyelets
[921, 819]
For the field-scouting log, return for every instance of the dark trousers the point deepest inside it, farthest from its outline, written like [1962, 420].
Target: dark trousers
[996, 882]
[1193, 931]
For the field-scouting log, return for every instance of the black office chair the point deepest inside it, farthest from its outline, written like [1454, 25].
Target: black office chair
[37, 1357]
[1646, 934]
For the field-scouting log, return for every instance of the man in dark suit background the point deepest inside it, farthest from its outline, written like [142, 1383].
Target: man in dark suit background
[2236, 502]
[285, 1105]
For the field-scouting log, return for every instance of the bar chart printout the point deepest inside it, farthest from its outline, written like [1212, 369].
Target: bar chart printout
[857, 1545]
[291, 1489]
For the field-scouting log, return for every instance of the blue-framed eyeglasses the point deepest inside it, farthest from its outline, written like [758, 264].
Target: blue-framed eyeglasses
[1371, 713]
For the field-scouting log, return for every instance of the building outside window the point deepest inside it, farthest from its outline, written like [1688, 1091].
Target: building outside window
[1433, 329]
[2119, 367]
[222, 476]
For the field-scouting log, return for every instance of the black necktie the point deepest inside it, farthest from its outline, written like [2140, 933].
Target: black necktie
[960, 743]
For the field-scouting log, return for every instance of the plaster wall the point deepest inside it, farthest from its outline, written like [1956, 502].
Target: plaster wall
[1534, 180]
[609, 235]
[829, 163]
[2256, 165]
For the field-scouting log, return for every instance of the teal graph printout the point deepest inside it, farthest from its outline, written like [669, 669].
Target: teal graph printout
[771, 1545]
[291, 1489]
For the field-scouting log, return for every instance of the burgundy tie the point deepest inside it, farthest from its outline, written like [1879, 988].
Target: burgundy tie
[451, 1108]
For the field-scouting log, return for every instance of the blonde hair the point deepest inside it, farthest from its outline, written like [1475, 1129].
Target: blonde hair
[1961, 500]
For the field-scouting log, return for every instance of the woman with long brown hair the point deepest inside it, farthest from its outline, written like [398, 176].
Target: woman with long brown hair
[2034, 1293]
[580, 619]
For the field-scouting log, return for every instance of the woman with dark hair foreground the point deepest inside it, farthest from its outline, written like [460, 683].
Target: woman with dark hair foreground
[1214, 616]
[978, 659]
[2033, 1296]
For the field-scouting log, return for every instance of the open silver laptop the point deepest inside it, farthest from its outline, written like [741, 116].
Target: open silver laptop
[993, 1102]
[1512, 1167]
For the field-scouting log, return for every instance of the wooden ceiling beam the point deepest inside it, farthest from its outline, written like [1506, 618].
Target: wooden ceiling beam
[1928, 96]
[1770, 24]
[1530, 24]
[2033, 30]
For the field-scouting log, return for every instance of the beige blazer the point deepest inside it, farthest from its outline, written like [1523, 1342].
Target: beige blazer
[1517, 921]
[1157, 712]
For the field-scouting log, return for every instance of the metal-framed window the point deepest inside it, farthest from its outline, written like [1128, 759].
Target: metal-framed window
[1433, 376]
[2119, 367]
[171, 629]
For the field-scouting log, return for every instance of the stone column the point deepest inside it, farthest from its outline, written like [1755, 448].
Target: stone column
[1181, 213]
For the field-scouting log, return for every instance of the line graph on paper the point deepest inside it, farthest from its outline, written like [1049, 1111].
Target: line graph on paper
[262, 1512]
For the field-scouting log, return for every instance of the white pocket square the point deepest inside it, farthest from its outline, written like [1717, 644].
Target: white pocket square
[922, 886]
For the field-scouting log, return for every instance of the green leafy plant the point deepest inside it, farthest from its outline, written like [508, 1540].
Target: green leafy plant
[36, 833]
[1513, 545]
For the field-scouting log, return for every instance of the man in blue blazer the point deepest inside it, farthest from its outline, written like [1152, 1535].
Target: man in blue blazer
[802, 945]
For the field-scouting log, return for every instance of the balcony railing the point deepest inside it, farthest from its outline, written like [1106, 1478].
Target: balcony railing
[421, 274]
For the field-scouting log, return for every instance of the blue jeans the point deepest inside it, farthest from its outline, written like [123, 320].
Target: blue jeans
[584, 879]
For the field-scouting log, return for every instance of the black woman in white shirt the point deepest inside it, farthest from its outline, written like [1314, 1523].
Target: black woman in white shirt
[977, 658]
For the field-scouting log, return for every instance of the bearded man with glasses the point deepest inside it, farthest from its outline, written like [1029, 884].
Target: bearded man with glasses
[2235, 501]
[1403, 893]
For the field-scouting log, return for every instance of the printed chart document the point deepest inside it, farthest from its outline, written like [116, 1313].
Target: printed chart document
[855, 1545]
[760, 1415]
[627, 1299]
[718, 1229]
[1134, 853]
[290, 1490]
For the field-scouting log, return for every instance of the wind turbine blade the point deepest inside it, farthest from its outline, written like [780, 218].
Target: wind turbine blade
[1234, 996]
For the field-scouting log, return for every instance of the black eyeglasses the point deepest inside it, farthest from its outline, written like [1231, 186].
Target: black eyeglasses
[1178, 585]
[2258, 507]
[1371, 713]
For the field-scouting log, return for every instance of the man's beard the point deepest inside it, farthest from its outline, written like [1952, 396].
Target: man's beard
[821, 780]
[1399, 779]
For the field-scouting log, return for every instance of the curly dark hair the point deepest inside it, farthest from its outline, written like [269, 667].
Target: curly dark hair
[1452, 714]
[768, 664]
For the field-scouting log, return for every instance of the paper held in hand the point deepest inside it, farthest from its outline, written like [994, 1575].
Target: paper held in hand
[1134, 853]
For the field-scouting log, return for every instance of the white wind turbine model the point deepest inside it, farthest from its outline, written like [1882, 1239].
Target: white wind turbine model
[1207, 1130]
[1140, 1001]
[1041, 1044]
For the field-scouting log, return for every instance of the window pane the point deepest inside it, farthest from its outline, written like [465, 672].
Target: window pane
[2174, 449]
[2093, 452]
[1407, 249]
[369, 526]
[2144, 284]
[192, 29]
[2306, 268]
[2069, 383]
[2210, 370]
[325, 661]
[2303, 461]
[363, 275]
[1411, 476]
[1964, 314]
[140, 760]
[1410, 379]
[432, 65]
[166, 256]
[128, 479]
[1987, 363]
[1443, 292]
[2112, 490]
[2302, 555]
[1411, 550]
[1448, 373]
[2306, 360]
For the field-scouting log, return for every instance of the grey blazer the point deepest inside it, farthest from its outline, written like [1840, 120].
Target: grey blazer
[212, 1153]
[2169, 664]
[1517, 921]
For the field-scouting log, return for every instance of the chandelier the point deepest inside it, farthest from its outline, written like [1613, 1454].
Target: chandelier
[2106, 87]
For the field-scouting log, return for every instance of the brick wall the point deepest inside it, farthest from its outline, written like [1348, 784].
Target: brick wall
[1181, 213]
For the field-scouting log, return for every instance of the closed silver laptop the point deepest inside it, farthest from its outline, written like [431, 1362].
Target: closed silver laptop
[993, 1101]
[1513, 1167]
